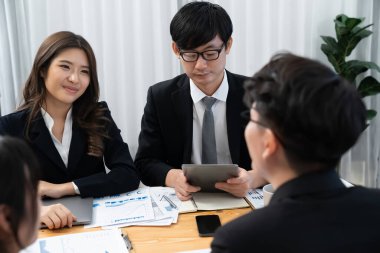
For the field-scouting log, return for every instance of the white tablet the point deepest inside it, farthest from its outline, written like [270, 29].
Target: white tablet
[206, 175]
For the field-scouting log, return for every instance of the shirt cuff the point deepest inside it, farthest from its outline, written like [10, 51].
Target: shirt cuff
[76, 189]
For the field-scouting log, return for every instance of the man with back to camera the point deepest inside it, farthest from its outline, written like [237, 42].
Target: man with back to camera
[303, 118]
[171, 127]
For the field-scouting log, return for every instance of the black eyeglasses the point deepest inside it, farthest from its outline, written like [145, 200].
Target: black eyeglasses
[208, 55]
[247, 116]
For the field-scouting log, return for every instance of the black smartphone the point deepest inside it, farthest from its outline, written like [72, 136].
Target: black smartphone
[207, 224]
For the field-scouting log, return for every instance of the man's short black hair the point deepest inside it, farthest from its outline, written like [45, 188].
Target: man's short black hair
[315, 114]
[197, 23]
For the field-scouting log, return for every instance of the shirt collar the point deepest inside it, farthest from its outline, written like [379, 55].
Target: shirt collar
[220, 94]
[49, 121]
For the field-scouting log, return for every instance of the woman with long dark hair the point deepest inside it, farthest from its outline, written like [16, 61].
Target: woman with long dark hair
[70, 131]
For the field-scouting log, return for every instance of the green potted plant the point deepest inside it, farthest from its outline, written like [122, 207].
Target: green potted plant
[348, 35]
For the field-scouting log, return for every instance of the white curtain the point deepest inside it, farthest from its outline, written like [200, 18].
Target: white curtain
[131, 41]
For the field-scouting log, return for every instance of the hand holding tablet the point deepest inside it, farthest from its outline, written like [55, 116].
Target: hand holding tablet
[206, 175]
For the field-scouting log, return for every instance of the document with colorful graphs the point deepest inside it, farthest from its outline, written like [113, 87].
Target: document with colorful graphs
[134, 206]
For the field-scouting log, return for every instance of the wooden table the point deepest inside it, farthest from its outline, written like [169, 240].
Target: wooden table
[181, 236]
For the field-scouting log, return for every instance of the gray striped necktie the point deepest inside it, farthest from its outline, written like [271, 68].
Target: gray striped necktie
[208, 133]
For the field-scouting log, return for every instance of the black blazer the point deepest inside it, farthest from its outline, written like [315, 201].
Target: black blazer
[87, 172]
[312, 213]
[166, 136]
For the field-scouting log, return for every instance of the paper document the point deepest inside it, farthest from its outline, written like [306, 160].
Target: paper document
[161, 218]
[132, 206]
[109, 241]
[255, 198]
[182, 206]
[188, 206]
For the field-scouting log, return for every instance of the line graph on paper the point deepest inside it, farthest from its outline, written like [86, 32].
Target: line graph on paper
[128, 207]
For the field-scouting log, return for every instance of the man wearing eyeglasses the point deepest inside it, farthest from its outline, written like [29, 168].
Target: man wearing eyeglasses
[303, 118]
[195, 117]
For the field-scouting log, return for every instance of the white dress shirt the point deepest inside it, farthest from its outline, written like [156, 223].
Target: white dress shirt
[220, 122]
[63, 147]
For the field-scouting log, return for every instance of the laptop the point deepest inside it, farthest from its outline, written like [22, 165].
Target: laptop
[80, 207]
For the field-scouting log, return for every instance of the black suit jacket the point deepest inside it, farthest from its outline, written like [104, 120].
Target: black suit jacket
[165, 141]
[313, 213]
[87, 172]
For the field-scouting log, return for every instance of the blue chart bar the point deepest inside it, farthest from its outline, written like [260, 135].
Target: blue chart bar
[123, 201]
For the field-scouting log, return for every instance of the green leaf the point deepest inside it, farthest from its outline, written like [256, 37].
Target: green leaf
[371, 114]
[332, 51]
[362, 32]
[369, 86]
[367, 64]
[353, 22]
[348, 44]
[351, 69]
[349, 41]
[344, 25]
[331, 43]
[331, 57]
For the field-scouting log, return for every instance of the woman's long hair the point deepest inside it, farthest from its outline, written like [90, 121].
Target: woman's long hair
[86, 112]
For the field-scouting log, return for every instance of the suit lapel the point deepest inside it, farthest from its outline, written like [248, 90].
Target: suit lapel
[233, 116]
[77, 148]
[183, 106]
[41, 139]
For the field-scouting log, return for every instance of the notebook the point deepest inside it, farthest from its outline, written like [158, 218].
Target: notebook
[80, 207]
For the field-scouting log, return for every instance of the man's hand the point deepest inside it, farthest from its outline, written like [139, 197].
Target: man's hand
[57, 216]
[46, 189]
[176, 179]
[239, 186]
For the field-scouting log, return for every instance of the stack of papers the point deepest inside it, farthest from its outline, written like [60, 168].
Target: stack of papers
[155, 206]
[140, 207]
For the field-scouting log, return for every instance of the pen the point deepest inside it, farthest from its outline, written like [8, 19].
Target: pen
[170, 202]
[128, 242]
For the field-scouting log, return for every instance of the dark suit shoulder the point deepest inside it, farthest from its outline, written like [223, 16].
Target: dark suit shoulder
[14, 122]
[364, 196]
[17, 115]
[102, 104]
[236, 79]
[169, 85]
[104, 107]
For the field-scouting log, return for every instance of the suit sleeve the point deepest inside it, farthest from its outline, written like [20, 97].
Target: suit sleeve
[220, 242]
[3, 126]
[122, 177]
[151, 151]
[10, 125]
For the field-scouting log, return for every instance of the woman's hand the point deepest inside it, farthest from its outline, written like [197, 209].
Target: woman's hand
[57, 216]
